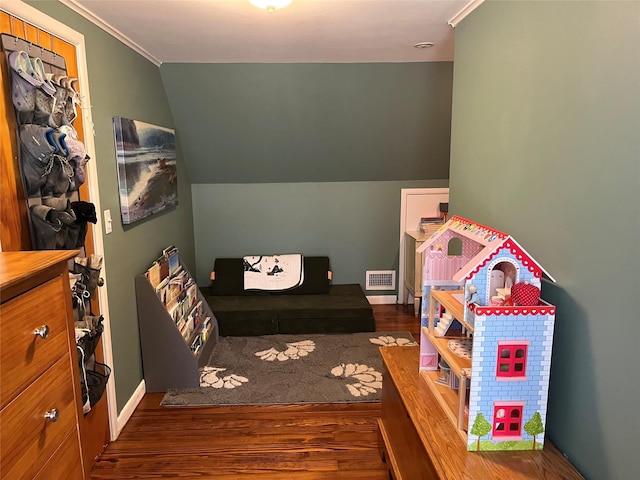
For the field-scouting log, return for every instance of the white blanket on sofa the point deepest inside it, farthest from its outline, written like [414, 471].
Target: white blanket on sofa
[273, 272]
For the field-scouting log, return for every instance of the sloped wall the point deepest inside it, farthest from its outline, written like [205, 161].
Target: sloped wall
[309, 158]
[290, 123]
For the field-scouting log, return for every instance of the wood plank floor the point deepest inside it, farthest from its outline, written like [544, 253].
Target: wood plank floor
[272, 442]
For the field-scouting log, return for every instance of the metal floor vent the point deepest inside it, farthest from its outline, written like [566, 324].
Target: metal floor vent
[381, 280]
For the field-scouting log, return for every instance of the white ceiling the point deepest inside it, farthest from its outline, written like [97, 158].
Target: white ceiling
[307, 31]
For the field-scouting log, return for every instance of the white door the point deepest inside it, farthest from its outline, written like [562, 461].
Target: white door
[414, 204]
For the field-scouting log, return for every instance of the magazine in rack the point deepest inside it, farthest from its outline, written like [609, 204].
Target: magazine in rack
[178, 292]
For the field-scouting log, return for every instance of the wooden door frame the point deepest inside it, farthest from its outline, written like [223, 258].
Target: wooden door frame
[35, 17]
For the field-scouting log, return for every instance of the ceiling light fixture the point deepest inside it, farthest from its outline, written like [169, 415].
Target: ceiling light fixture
[423, 45]
[270, 5]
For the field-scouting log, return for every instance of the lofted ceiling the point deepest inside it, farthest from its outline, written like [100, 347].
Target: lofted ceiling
[307, 31]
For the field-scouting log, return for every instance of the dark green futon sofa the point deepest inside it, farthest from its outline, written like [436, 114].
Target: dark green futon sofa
[315, 306]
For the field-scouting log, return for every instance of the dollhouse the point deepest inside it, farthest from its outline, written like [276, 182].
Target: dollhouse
[486, 336]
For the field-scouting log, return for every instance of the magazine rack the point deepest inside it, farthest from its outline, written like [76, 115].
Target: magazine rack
[169, 358]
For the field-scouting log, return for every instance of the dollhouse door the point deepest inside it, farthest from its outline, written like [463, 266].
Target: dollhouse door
[497, 281]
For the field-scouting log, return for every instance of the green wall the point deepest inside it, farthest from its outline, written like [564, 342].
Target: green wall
[356, 224]
[309, 158]
[122, 83]
[289, 123]
[545, 146]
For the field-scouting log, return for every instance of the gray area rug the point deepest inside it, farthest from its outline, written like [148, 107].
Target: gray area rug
[292, 369]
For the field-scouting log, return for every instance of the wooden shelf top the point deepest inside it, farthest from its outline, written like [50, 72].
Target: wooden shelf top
[17, 265]
[426, 235]
[447, 398]
[452, 304]
[33, 267]
[456, 363]
[441, 440]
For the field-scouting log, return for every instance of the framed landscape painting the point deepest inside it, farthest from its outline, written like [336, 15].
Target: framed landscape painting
[147, 173]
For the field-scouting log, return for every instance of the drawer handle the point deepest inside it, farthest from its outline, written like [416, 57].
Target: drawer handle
[43, 331]
[52, 415]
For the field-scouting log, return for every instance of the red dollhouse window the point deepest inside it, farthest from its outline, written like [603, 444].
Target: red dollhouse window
[512, 360]
[507, 420]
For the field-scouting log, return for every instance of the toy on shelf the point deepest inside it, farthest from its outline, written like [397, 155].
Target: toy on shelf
[499, 357]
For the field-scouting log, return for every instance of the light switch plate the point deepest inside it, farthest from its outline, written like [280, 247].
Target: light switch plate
[107, 222]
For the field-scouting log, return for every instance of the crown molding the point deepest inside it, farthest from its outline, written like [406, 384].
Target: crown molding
[461, 15]
[114, 32]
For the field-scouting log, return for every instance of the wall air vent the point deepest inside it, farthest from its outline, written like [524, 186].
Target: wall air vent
[381, 280]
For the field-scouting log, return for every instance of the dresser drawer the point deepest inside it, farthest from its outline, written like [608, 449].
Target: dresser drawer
[23, 354]
[28, 439]
[65, 463]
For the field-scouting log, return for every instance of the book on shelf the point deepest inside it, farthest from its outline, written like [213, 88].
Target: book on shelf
[177, 286]
[167, 276]
[181, 324]
[192, 293]
[173, 260]
[163, 262]
[431, 220]
[162, 290]
[169, 249]
[206, 328]
[427, 223]
[196, 344]
[158, 272]
[179, 294]
[174, 312]
[196, 313]
[187, 328]
[179, 277]
[183, 308]
[153, 274]
[201, 336]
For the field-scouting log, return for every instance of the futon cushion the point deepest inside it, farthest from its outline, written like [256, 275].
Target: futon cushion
[343, 309]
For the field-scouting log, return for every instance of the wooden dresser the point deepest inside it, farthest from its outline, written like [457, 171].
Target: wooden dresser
[39, 377]
[417, 440]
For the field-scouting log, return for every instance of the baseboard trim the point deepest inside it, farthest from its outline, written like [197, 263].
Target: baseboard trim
[382, 299]
[129, 408]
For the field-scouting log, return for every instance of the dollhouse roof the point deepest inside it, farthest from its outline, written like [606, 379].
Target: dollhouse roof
[493, 242]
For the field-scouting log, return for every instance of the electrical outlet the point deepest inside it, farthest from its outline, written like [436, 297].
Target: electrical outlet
[107, 222]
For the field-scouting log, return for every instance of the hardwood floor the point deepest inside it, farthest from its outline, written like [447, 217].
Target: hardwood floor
[302, 442]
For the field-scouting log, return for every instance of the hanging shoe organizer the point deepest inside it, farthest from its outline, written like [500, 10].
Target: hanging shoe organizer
[52, 162]
[52, 159]
[88, 329]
